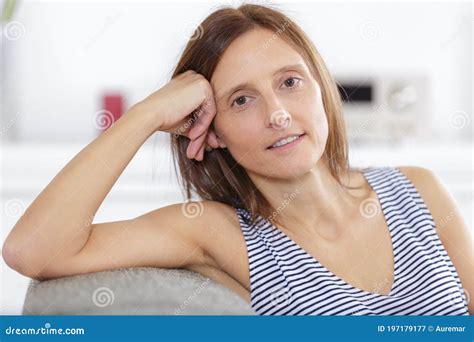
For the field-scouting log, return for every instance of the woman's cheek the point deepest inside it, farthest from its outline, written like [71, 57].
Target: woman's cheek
[322, 129]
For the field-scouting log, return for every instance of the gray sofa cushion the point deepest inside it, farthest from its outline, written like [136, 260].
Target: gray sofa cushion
[134, 291]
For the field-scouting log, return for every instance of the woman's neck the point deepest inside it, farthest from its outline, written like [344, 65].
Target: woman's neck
[314, 203]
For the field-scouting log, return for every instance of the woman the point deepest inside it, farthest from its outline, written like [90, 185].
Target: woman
[257, 132]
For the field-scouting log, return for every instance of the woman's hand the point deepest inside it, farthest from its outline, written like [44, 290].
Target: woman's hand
[185, 106]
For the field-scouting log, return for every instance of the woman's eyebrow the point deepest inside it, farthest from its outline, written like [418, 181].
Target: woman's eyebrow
[289, 67]
[249, 85]
[236, 88]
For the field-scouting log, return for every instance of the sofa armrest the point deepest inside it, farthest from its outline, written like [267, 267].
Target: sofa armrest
[134, 291]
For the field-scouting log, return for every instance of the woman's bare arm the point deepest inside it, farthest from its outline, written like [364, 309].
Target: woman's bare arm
[57, 225]
[166, 237]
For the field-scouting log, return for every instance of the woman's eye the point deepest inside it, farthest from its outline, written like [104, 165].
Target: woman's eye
[239, 101]
[291, 82]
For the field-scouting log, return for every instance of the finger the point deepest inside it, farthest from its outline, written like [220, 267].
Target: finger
[183, 128]
[200, 154]
[205, 115]
[193, 149]
[194, 146]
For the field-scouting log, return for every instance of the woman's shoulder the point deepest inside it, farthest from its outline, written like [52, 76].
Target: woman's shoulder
[450, 224]
[204, 215]
[218, 212]
[429, 186]
[431, 189]
[211, 222]
[221, 239]
[416, 173]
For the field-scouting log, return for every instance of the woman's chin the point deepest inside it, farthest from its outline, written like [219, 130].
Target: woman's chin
[296, 169]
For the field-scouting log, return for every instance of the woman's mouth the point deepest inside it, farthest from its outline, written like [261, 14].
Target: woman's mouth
[286, 144]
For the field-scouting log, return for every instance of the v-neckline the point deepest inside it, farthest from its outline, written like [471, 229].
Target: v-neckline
[390, 230]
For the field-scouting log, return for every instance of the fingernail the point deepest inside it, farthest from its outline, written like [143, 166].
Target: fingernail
[208, 149]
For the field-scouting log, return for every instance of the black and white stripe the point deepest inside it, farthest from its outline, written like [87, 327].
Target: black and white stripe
[286, 280]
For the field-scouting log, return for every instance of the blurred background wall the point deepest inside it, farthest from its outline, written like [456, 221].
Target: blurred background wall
[70, 67]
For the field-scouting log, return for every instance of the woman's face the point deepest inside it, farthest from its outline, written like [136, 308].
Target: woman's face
[264, 91]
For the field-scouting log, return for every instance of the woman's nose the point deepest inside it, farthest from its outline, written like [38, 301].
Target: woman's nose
[277, 116]
[279, 119]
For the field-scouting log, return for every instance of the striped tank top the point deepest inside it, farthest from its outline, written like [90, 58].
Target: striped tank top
[286, 280]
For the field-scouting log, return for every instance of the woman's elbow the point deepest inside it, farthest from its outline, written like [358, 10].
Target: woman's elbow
[18, 261]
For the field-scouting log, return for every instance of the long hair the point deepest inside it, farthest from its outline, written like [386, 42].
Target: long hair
[218, 177]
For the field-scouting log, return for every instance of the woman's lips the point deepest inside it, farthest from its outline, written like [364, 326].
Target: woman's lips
[288, 146]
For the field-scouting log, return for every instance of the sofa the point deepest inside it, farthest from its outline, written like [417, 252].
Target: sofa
[133, 291]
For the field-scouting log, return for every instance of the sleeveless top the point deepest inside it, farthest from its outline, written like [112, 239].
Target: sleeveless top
[286, 280]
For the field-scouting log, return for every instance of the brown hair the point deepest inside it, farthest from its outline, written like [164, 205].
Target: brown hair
[219, 177]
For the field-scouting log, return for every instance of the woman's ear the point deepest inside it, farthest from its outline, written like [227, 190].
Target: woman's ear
[219, 140]
[222, 144]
